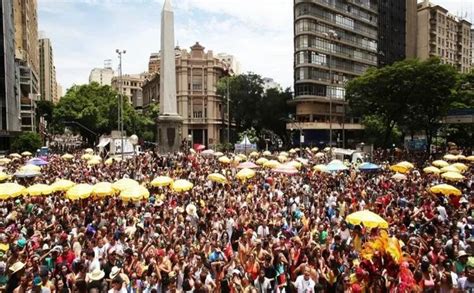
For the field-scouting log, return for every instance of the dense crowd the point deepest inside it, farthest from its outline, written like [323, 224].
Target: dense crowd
[270, 233]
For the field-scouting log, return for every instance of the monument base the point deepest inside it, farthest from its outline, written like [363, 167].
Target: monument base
[169, 133]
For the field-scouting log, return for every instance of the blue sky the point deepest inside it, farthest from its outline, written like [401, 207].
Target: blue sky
[258, 32]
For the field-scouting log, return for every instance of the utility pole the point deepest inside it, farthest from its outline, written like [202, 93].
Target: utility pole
[120, 100]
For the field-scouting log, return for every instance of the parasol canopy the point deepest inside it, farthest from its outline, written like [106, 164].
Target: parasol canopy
[369, 167]
[452, 176]
[217, 177]
[224, 160]
[245, 174]
[336, 165]
[285, 169]
[450, 168]
[67, 157]
[399, 177]
[181, 185]
[450, 157]
[4, 176]
[79, 191]
[39, 189]
[248, 165]
[431, 170]
[124, 183]
[440, 163]
[320, 168]
[62, 185]
[161, 181]
[271, 164]
[26, 154]
[9, 190]
[267, 153]
[261, 161]
[445, 189]
[368, 219]
[103, 189]
[37, 162]
[135, 193]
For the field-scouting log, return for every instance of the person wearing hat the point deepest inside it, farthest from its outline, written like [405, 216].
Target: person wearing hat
[461, 262]
[94, 280]
[16, 272]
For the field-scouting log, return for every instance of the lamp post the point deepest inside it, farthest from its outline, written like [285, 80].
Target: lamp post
[120, 100]
[331, 35]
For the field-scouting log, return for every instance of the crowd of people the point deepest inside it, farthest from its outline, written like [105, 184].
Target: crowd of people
[270, 233]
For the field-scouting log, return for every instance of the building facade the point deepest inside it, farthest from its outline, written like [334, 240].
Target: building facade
[231, 61]
[10, 123]
[154, 63]
[443, 35]
[270, 83]
[102, 76]
[48, 84]
[197, 75]
[334, 41]
[131, 88]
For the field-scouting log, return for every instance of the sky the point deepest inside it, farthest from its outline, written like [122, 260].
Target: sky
[259, 33]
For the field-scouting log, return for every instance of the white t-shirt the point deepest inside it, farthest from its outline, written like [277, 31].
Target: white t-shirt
[304, 286]
[464, 284]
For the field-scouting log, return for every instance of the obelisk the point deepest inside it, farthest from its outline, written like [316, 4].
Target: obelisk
[169, 121]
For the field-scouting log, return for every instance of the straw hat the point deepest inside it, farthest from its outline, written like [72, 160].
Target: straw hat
[116, 272]
[191, 209]
[96, 275]
[18, 266]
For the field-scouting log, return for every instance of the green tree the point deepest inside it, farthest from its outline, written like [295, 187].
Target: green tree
[374, 129]
[27, 141]
[45, 108]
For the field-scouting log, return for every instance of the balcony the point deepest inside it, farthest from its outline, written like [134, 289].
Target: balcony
[324, 126]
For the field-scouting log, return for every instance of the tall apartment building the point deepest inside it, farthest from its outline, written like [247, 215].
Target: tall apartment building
[131, 88]
[102, 76]
[231, 61]
[47, 71]
[472, 49]
[443, 35]
[396, 31]
[197, 75]
[154, 63]
[27, 59]
[334, 41]
[10, 123]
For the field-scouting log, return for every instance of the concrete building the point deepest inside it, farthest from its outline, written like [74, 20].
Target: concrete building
[396, 31]
[335, 41]
[443, 35]
[10, 123]
[472, 48]
[131, 88]
[27, 60]
[154, 63]
[203, 111]
[102, 76]
[47, 71]
[270, 83]
[231, 61]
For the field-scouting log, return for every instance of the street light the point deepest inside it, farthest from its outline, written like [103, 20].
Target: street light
[331, 35]
[120, 100]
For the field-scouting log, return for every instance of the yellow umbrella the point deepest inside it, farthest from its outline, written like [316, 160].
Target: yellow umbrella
[470, 158]
[282, 159]
[267, 153]
[224, 160]
[237, 159]
[314, 150]
[452, 176]
[9, 190]
[67, 157]
[320, 168]
[450, 157]
[39, 189]
[271, 164]
[399, 177]
[125, 183]
[242, 157]
[135, 193]
[245, 174]
[399, 168]
[103, 189]
[89, 151]
[4, 161]
[86, 157]
[15, 155]
[461, 157]
[292, 151]
[4, 176]
[319, 155]
[254, 154]
[30, 168]
[295, 164]
[217, 177]
[181, 185]
[218, 154]
[431, 170]
[161, 181]
[261, 161]
[440, 163]
[93, 162]
[445, 189]
[79, 191]
[109, 161]
[62, 185]
[26, 154]
[450, 168]
[285, 154]
[460, 166]
[368, 219]
[406, 164]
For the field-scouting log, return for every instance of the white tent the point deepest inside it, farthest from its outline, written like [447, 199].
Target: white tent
[245, 146]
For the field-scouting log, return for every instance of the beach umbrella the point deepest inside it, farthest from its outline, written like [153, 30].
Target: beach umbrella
[86, 157]
[207, 152]
[67, 157]
[460, 166]
[295, 164]
[406, 164]
[39, 189]
[470, 158]
[135, 193]
[218, 154]
[245, 174]
[319, 155]
[336, 166]
[261, 161]
[242, 157]
[4, 161]
[27, 173]
[267, 153]
[399, 177]
[103, 189]
[445, 189]
[450, 157]
[125, 183]
[292, 151]
[368, 167]
[327, 149]
[461, 157]
[399, 168]
[237, 159]
[450, 168]
[440, 163]
[431, 170]
[284, 154]
[93, 162]
[37, 162]
[109, 161]
[4, 176]
[254, 154]
[161, 181]
[303, 161]
[282, 159]
[452, 176]
[26, 154]
[285, 169]
[79, 191]
[181, 185]
[320, 168]
[30, 168]
[217, 177]
[248, 165]
[367, 218]
[314, 150]
[62, 185]
[11, 190]
[15, 155]
[89, 151]
[271, 164]
[224, 160]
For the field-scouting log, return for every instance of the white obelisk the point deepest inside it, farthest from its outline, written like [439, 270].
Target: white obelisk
[168, 103]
